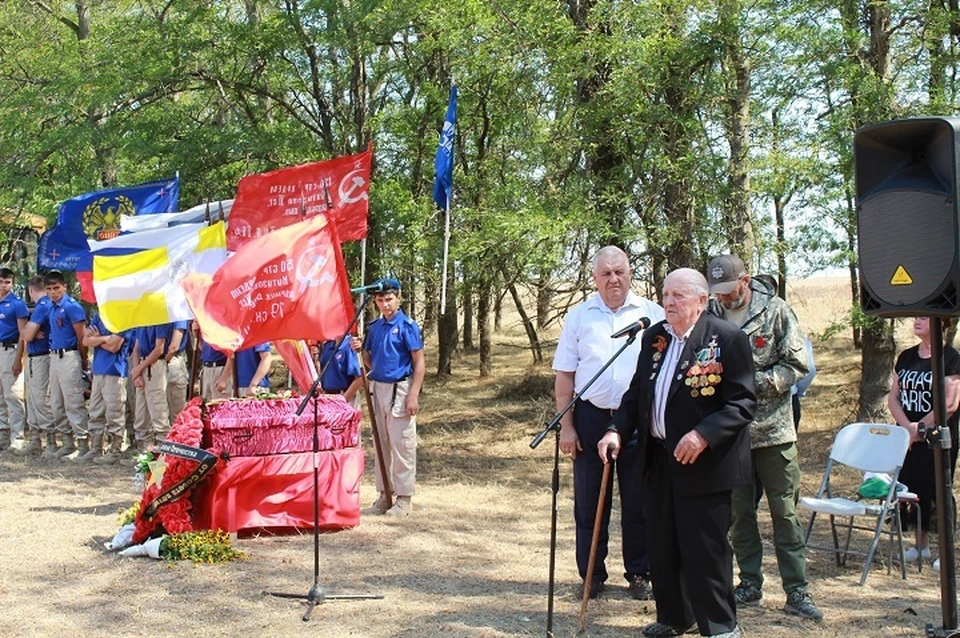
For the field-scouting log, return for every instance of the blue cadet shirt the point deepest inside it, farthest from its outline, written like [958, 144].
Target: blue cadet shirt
[146, 337]
[12, 308]
[247, 361]
[209, 354]
[62, 317]
[344, 368]
[105, 362]
[41, 317]
[390, 344]
[185, 339]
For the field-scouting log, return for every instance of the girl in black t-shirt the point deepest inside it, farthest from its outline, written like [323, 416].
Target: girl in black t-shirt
[911, 402]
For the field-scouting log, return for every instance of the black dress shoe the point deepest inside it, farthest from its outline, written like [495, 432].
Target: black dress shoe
[596, 588]
[660, 630]
[639, 588]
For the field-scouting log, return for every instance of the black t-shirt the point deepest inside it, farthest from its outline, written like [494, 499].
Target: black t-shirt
[915, 376]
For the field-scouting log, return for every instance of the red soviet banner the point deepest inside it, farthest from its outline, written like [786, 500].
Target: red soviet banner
[288, 284]
[268, 201]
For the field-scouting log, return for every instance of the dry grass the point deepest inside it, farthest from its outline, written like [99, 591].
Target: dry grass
[471, 562]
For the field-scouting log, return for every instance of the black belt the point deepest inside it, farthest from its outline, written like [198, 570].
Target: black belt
[60, 351]
[31, 355]
[214, 364]
[610, 411]
[8, 345]
[656, 439]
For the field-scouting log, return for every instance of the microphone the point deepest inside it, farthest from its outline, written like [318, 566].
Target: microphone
[377, 286]
[641, 324]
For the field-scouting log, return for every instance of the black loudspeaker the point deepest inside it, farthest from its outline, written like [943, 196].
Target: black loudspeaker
[908, 228]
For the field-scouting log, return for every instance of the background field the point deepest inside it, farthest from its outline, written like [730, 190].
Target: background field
[472, 561]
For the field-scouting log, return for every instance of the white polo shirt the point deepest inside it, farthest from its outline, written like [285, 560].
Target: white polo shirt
[585, 346]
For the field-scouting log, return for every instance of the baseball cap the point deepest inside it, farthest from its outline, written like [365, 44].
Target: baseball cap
[388, 284]
[723, 273]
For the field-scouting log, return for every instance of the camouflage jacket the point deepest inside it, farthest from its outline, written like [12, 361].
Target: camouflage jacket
[780, 360]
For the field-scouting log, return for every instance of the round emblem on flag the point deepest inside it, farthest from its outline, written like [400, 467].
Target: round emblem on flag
[352, 187]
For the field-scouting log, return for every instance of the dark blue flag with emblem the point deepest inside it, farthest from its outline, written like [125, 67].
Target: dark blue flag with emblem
[97, 216]
[443, 185]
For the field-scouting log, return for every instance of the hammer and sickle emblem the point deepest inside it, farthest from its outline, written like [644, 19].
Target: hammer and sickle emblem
[352, 187]
[309, 265]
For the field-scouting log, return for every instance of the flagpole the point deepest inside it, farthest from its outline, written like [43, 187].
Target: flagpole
[363, 278]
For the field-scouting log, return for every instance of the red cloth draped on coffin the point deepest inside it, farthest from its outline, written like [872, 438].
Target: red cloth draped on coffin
[268, 481]
[276, 491]
[271, 426]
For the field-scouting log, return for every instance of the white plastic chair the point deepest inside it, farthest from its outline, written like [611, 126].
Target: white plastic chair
[868, 447]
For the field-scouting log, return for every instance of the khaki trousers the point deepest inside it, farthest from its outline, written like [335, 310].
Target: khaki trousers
[208, 384]
[152, 420]
[108, 404]
[398, 436]
[66, 394]
[11, 405]
[176, 385]
[37, 373]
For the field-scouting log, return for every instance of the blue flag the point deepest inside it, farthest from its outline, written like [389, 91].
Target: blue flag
[97, 216]
[443, 185]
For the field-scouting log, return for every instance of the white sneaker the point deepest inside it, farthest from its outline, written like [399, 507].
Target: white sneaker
[936, 565]
[912, 554]
[402, 507]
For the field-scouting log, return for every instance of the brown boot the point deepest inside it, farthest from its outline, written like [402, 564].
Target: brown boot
[67, 447]
[112, 456]
[94, 448]
[51, 451]
[33, 447]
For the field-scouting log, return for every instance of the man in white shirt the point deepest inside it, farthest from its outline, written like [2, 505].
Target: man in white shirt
[584, 347]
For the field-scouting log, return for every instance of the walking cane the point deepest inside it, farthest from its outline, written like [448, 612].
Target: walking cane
[588, 579]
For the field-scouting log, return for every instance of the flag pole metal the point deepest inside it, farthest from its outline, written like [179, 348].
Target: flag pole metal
[316, 595]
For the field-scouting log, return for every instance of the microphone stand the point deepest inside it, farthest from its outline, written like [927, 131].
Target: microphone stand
[316, 595]
[553, 425]
[938, 438]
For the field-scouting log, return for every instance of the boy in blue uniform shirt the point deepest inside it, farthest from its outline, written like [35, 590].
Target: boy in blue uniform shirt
[37, 382]
[68, 361]
[108, 392]
[253, 369]
[177, 374]
[393, 350]
[342, 375]
[152, 416]
[216, 372]
[13, 319]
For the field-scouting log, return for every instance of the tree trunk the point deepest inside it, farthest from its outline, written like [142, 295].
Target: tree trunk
[544, 295]
[468, 344]
[483, 324]
[498, 313]
[431, 298]
[447, 330]
[527, 325]
[876, 364]
[739, 224]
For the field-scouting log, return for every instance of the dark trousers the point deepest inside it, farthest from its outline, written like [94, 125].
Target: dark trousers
[591, 424]
[692, 567]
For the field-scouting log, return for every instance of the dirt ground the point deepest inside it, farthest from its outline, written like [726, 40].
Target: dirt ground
[471, 562]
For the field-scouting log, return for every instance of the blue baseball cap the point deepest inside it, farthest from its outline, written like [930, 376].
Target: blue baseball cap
[388, 284]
